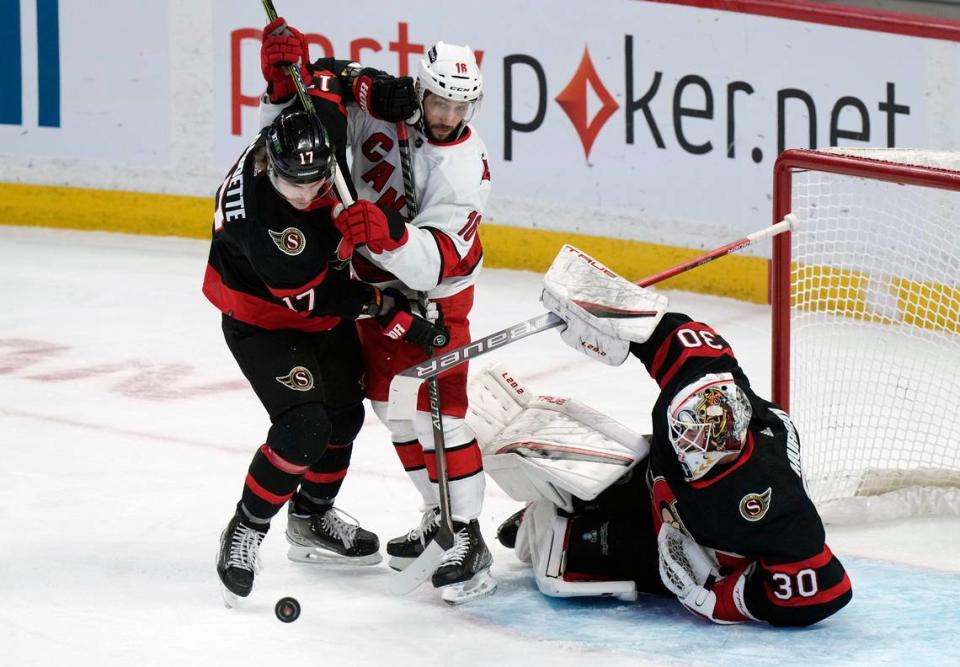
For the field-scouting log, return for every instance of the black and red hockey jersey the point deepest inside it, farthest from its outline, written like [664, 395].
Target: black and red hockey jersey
[270, 264]
[754, 512]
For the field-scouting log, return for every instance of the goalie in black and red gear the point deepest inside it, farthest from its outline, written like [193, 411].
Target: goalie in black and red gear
[737, 538]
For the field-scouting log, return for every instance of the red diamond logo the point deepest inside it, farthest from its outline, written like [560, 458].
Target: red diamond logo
[573, 99]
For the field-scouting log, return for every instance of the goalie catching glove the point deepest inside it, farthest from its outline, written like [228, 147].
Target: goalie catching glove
[603, 312]
[689, 572]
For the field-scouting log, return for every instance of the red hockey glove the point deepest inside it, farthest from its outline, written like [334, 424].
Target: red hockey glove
[365, 222]
[400, 324]
[282, 45]
[389, 98]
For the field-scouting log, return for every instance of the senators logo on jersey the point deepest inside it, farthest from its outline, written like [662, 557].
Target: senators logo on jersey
[298, 379]
[754, 506]
[291, 240]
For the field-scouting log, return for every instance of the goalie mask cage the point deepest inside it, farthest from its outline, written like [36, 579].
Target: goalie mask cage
[866, 327]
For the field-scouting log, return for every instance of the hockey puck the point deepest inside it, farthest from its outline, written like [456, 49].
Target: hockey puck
[287, 609]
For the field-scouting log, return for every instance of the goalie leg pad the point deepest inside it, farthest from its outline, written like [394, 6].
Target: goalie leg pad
[497, 397]
[543, 540]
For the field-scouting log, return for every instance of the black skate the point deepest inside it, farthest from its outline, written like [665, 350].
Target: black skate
[507, 532]
[325, 537]
[238, 559]
[464, 572]
[405, 549]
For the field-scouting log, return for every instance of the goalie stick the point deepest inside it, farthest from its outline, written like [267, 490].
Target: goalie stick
[406, 385]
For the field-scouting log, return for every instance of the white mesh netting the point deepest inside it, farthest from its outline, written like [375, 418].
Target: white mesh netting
[875, 340]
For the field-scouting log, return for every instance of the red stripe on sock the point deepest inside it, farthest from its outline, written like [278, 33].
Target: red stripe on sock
[410, 453]
[461, 461]
[263, 494]
[324, 477]
[280, 463]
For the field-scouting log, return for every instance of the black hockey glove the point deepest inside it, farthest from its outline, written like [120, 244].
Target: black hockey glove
[399, 323]
[389, 98]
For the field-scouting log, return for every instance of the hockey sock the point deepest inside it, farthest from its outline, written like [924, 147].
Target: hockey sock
[465, 477]
[462, 461]
[410, 454]
[321, 483]
[271, 481]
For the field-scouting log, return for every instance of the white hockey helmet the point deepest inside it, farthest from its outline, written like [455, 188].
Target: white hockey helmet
[707, 422]
[451, 72]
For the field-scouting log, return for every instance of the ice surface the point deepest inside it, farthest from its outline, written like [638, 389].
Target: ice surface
[125, 434]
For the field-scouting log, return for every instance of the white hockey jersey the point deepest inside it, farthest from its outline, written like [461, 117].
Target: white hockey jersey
[443, 254]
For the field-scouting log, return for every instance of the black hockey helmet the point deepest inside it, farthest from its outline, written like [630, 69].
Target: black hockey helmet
[299, 148]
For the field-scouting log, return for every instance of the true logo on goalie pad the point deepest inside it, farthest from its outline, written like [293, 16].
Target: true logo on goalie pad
[754, 506]
[590, 260]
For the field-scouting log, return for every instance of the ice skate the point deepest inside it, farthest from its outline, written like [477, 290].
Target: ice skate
[464, 572]
[405, 549]
[238, 560]
[325, 537]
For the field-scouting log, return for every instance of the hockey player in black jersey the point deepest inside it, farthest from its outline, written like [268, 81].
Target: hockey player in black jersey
[737, 538]
[288, 318]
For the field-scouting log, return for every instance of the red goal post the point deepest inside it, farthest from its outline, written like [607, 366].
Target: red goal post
[866, 326]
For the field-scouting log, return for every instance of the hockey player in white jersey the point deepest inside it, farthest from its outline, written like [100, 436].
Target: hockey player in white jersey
[434, 258]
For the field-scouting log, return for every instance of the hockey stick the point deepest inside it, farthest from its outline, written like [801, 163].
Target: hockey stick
[406, 166]
[343, 192]
[429, 560]
[406, 384]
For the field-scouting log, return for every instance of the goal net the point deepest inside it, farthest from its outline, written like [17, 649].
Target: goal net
[866, 308]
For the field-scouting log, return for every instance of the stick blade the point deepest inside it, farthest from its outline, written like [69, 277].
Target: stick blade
[403, 397]
[410, 578]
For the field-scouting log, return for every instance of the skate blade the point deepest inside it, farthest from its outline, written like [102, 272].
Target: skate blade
[481, 585]
[322, 557]
[230, 599]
